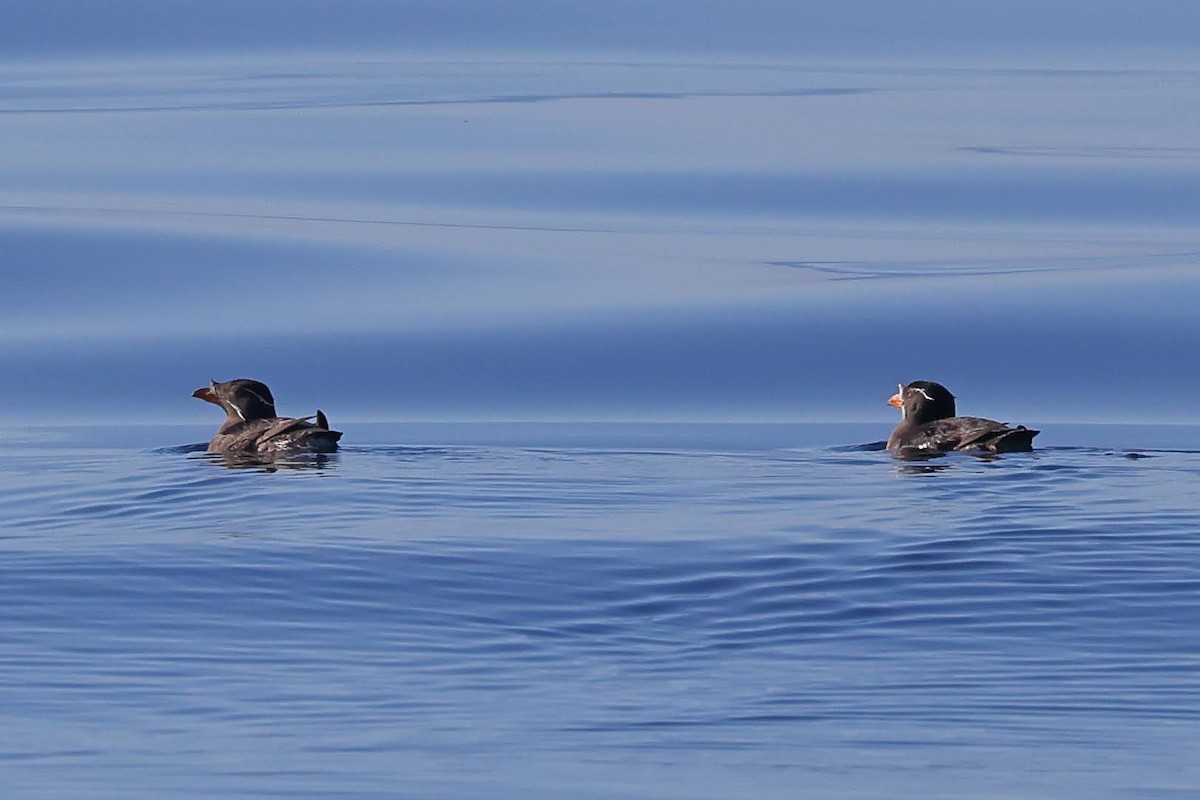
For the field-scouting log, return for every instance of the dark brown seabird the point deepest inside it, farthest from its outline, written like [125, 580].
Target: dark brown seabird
[928, 425]
[252, 427]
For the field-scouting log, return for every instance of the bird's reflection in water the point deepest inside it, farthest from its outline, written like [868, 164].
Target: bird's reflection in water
[915, 461]
[921, 468]
[273, 462]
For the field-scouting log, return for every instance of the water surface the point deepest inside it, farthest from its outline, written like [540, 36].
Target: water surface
[659, 215]
[601, 611]
[470, 236]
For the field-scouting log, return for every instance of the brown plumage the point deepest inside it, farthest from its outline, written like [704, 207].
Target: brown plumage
[928, 425]
[251, 425]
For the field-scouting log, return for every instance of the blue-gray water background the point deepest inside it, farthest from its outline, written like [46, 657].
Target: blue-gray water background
[534, 258]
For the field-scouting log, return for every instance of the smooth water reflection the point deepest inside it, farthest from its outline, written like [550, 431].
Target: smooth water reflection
[454, 237]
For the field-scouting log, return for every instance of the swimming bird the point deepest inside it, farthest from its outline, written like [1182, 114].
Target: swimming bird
[252, 426]
[928, 424]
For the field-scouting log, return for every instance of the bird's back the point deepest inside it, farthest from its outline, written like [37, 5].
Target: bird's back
[276, 435]
[963, 434]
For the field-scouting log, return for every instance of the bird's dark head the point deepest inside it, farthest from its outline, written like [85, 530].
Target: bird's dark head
[242, 399]
[923, 401]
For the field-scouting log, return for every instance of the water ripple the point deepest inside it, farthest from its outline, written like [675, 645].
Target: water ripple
[612, 602]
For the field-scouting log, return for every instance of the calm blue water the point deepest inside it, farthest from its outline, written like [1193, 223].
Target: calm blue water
[548, 236]
[465, 231]
[601, 611]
